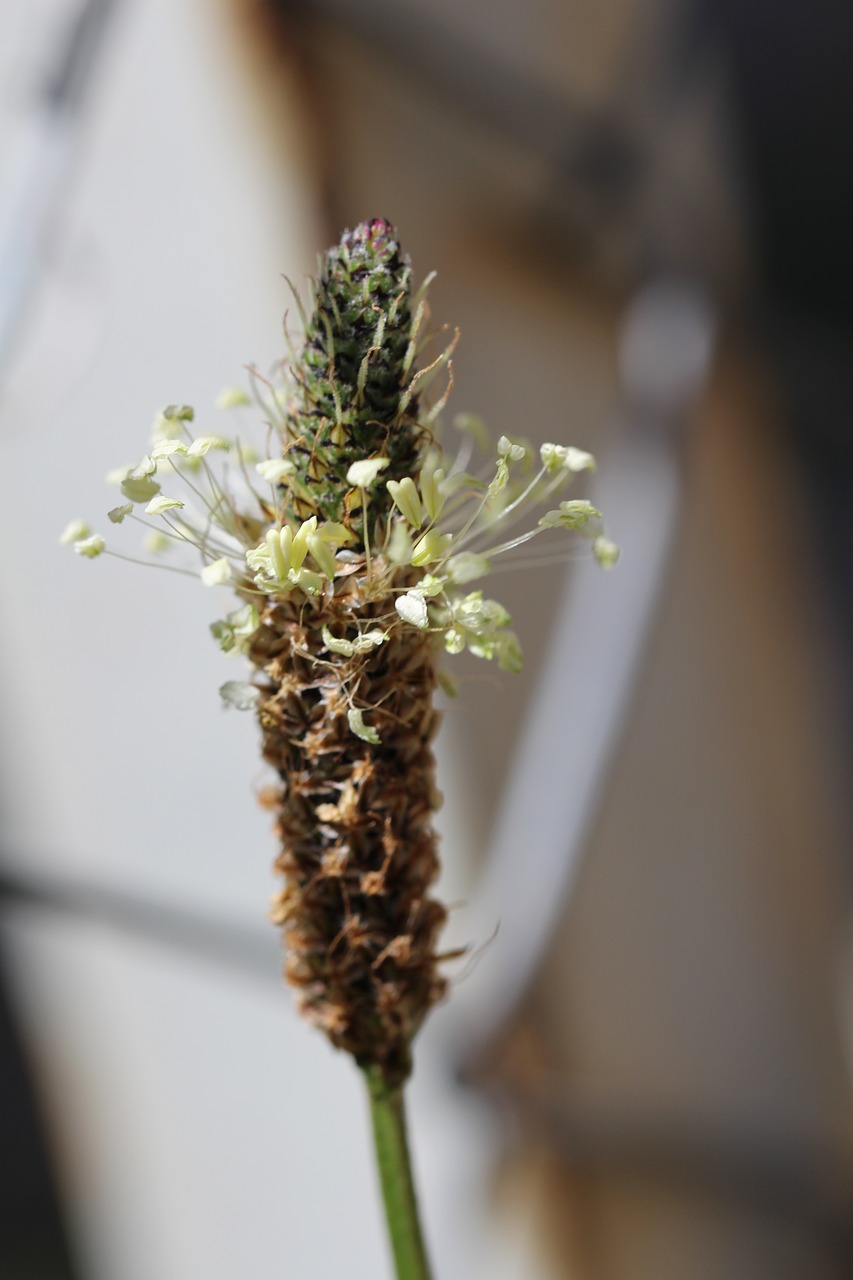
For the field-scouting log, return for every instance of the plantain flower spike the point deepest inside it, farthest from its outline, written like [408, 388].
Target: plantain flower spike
[351, 548]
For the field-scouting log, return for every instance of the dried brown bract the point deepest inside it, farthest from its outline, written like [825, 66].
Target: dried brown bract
[358, 849]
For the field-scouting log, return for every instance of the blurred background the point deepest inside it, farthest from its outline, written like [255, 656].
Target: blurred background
[640, 218]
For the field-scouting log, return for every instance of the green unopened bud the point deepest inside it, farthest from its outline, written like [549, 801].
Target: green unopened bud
[406, 499]
[354, 378]
[432, 489]
[322, 554]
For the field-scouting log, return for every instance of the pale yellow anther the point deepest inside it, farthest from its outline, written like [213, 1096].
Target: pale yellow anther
[285, 542]
[90, 547]
[324, 556]
[299, 546]
[364, 473]
[279, 563]
[433, 492]
[217, 573]
[406, 499]
[74, 532]
[275, 470]
[203, 444]
[159, 504]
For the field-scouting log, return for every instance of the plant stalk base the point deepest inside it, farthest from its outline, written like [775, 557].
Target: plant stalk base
[387, 1112]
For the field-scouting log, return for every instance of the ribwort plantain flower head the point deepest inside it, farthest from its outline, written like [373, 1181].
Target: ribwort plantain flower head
[353, 545]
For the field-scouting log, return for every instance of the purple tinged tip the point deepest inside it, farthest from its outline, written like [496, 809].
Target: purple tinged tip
[374, 230]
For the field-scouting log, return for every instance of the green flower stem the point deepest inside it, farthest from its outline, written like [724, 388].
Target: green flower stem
[387, 1112]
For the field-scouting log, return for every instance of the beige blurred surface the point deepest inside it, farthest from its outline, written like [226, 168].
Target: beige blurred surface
[693, 992]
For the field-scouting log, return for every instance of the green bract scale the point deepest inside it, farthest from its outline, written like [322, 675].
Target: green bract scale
[352, 544]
